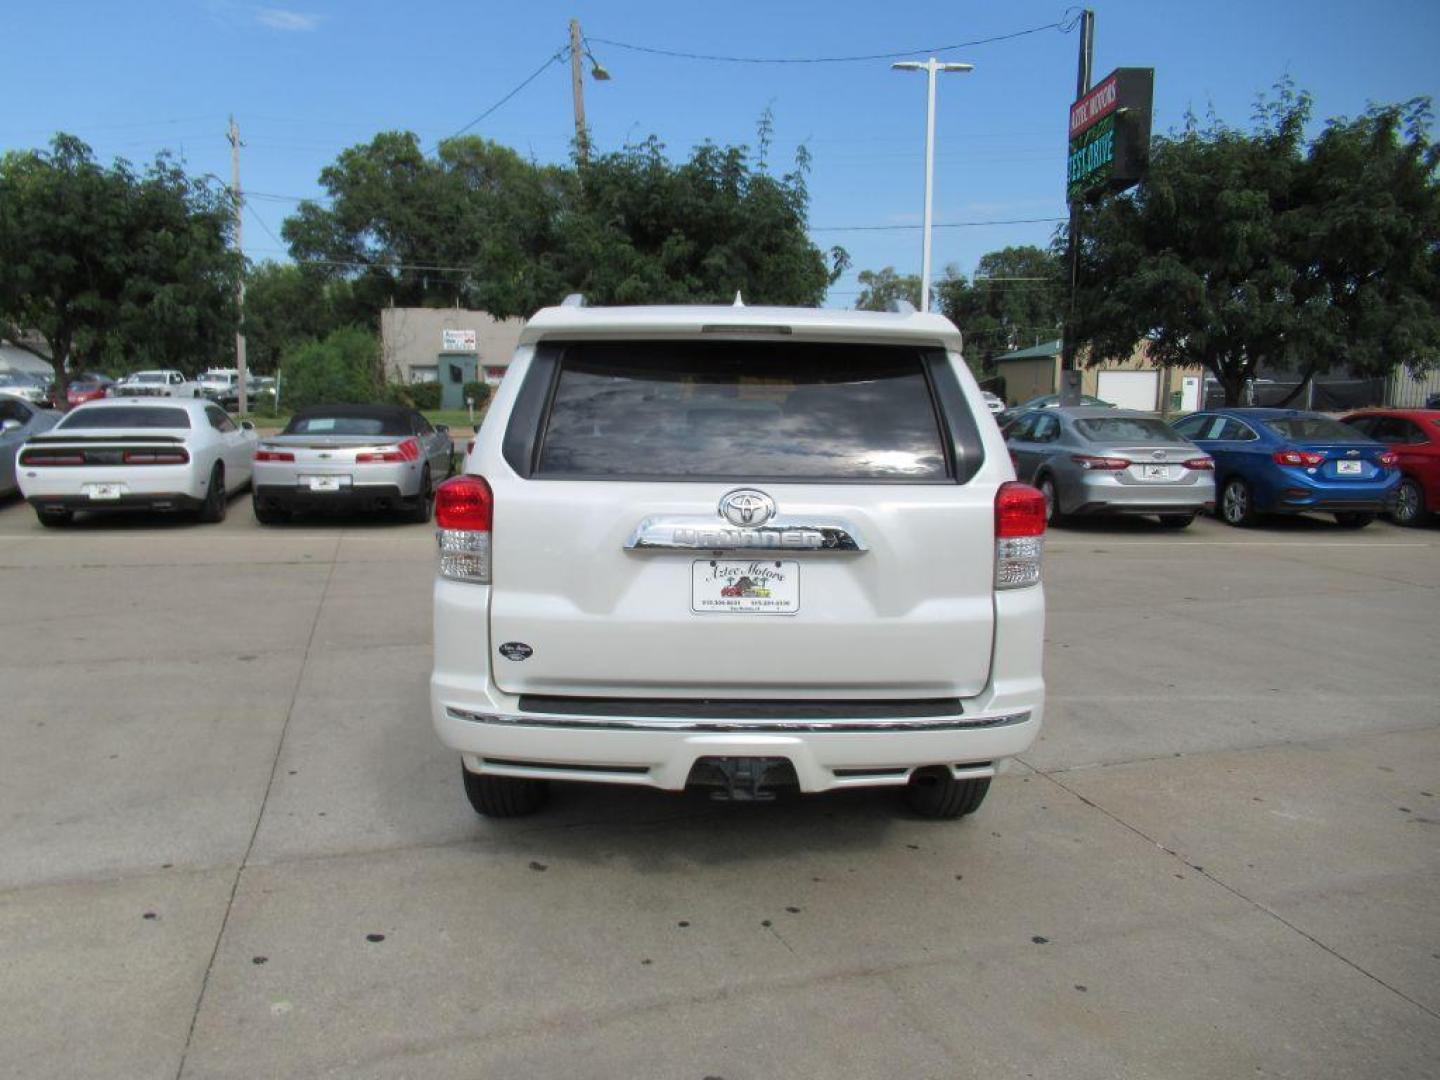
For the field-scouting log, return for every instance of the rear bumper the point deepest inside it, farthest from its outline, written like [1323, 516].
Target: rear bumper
[1104, 493]
[149, 487]
[357, 495]
[495, 734]
[160, 501]
[1293, 490]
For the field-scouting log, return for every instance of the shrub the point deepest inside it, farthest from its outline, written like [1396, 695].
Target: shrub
[425, 395]
[341, 368]
[478, 392]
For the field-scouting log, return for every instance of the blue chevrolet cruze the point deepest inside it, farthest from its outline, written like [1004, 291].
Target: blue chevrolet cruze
[1288, 461]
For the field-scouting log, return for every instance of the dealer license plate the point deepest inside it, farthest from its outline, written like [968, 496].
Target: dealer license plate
[104, 491]
[325, 483]
[745, 586]
[1349, 468]
[1154, 472]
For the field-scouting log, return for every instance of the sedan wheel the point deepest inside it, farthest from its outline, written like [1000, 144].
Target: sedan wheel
[1236, 506]
[1052, 502]
[420, 509]
[1409, 505]
[212, 510]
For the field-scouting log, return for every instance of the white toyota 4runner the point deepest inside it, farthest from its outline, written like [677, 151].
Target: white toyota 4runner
[738, 547]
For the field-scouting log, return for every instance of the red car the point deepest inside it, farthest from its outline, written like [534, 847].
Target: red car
[1414, 436]
[87, 388]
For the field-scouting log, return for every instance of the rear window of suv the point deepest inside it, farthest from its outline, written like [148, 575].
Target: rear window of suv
[740, 410]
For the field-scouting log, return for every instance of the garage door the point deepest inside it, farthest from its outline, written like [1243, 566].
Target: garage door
[1130, 389]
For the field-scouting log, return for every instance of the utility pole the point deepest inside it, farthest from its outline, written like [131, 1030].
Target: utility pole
[1069, 386]
[234, 136]
[577, 87]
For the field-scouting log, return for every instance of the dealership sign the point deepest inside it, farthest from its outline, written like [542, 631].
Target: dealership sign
[1110, 134]
[457, 340]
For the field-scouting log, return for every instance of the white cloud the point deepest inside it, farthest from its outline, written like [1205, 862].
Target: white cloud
[281, 19]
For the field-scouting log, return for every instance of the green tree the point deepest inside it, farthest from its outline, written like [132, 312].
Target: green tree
[286, 305]
[1015, 299]
[1243, 249]
[478, 225]
[111, 266]
[344, 367]
[648, 231]
[881, 288]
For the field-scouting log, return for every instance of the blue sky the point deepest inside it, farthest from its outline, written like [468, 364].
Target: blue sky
[306, 79]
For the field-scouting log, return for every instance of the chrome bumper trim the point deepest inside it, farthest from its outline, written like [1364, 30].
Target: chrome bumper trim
[762, 727]
[680, 533]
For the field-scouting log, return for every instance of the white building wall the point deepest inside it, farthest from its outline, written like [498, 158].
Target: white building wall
[412, 339]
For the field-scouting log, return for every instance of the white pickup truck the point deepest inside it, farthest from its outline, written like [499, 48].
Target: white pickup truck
[160, 383]
[740, 548]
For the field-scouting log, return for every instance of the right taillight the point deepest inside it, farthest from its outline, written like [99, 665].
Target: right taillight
[1202, 464]
[464, 509]
[1019, 535]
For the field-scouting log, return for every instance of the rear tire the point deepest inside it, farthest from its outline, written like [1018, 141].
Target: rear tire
[1176, 521]
[1354, 519]
[267, 514]
[1237, 503]
[936, 794]
[1409, 508]
[54, 519]
[1053, 516]
[419, 510]
[212, 510]
[504, 796]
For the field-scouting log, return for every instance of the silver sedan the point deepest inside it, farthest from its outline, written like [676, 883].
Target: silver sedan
[382, 457]
[1089, 460]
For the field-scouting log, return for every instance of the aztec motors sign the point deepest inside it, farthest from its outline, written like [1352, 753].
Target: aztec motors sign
[1110, 134]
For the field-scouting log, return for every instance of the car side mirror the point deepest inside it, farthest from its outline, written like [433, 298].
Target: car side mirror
[247, 425]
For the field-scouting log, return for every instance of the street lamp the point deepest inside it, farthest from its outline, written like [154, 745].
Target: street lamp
[930, 67]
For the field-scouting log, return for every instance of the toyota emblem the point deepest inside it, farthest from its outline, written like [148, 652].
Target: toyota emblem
[747, 508]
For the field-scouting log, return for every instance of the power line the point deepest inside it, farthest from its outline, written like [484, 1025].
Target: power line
[1064, 24]
[936, 225]
[555, 58]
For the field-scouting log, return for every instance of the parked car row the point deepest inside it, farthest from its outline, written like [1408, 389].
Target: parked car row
[1242, 463]
[188, 454]
[220, 385]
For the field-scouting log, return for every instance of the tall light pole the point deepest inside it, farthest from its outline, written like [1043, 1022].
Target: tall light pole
[931, 67]
[234, 136]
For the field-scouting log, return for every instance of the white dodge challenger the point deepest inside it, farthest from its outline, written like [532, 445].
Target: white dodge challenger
[133, 454]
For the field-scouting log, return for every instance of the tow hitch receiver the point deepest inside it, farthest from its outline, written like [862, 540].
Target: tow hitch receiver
[743, 779]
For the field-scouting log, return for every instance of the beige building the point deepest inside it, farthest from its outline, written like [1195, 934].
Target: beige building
[416, 342]
[1135, 383]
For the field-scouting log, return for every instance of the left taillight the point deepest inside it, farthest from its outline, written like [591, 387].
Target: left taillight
[50, 457]
[464, 512]
[265, 454]
[1105, 464]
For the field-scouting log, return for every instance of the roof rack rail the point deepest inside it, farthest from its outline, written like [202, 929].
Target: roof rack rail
[901, 306]
[575, 299]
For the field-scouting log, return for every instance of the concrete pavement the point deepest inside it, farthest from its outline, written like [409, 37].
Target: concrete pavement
[231, 846]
